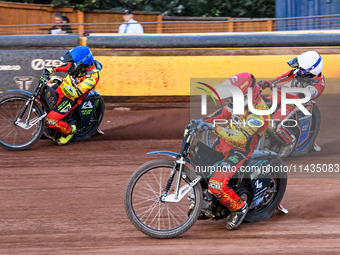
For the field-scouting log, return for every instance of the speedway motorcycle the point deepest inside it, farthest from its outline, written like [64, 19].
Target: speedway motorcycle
[22, 115]
[163, 198]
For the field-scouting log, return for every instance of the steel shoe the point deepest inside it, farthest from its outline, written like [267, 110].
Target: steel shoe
[316, 147]
[236, 217]
[64, 139]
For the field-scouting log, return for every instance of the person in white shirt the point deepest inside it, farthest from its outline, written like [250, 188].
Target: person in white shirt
[130, 26]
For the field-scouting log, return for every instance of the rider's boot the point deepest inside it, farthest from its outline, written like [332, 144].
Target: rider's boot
[64, 139]
[236, 217]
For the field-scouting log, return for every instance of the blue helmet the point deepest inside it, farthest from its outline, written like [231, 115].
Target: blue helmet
[80, 57]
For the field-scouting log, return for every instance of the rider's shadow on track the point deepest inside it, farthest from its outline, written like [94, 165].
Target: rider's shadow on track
[150, 124]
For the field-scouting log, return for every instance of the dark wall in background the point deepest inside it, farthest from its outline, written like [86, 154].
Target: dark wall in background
[303, 8]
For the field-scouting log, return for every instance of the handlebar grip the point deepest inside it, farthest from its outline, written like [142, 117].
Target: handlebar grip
[193, 124]
[42, 83]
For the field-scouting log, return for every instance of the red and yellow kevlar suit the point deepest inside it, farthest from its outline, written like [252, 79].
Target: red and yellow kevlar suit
[71, 92]
[237, 143]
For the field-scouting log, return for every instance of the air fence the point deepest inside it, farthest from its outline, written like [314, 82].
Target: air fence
[163, 64]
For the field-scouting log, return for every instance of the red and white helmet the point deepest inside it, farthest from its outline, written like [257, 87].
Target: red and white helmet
[244, 81]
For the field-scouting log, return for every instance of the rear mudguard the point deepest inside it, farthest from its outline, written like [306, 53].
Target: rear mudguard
[167, 153]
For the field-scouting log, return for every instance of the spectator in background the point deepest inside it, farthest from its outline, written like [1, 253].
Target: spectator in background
[66, 27]
[130, 26]
[60, 27]
[58, 19]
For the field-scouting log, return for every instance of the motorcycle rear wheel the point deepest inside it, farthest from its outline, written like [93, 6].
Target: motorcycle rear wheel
[150, 215]
[12, 136]
[275, 193]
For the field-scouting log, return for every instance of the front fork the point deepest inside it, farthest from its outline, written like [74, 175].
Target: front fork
[179, 193]
[27, 124]
[181, 162]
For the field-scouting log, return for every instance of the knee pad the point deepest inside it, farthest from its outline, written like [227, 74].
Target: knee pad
[51, 122]
[215, 188]
[284, 135]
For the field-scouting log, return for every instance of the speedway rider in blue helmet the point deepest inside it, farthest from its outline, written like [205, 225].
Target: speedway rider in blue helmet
[83, 76]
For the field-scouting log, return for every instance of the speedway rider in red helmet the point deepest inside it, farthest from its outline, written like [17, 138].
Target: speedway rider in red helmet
[83, 76]
[237, 143]
[306, 74]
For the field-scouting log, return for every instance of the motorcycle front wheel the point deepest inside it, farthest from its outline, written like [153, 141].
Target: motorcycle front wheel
[19, 133]
[151, 215]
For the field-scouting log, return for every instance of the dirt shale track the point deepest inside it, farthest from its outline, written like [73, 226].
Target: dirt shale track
[69, 200]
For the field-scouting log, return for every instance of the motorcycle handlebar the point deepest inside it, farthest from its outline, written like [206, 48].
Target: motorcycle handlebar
[192, 126]
[42, 82]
